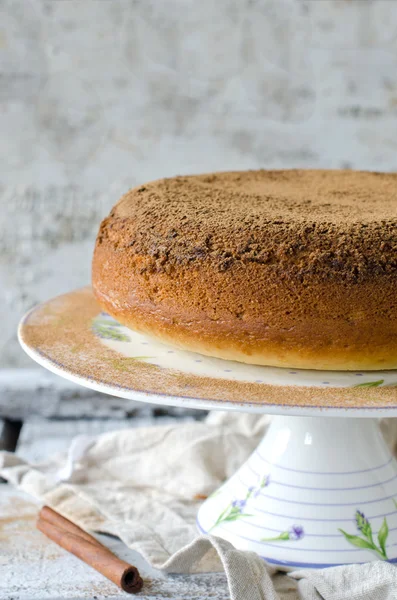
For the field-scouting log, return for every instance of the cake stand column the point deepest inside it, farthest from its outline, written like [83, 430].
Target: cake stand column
[316, 492]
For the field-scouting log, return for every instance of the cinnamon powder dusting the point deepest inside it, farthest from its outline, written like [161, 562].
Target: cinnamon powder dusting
[304, 223]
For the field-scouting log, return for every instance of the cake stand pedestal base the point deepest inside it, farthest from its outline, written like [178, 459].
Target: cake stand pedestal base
[316, 492]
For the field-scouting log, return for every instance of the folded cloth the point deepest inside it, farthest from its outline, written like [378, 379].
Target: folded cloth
[144, 485]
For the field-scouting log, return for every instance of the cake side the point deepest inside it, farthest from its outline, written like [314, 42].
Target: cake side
[248, 314]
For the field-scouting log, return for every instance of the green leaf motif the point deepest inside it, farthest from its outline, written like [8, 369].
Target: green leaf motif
[357, 541]
[382, 536]
[109, 332]
[282, 537]
[223, 515]
[229, 515]
[235, 516]
[123, 364]
[369, 543]
[370, 384]
[107, 322]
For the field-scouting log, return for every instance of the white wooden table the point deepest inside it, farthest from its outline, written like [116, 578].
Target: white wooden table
[34, 568]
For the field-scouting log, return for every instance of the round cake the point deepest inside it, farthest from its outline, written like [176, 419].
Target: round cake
[289, 268]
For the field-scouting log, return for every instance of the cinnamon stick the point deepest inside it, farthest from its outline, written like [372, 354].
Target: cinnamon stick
[51, 516]
[73, 539]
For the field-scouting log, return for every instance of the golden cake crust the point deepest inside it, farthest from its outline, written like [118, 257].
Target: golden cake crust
[285, 268]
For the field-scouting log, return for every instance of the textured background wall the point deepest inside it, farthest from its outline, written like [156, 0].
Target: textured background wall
[100, 95]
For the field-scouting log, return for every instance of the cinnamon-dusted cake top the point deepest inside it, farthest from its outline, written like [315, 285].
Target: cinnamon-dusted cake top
[325, 223]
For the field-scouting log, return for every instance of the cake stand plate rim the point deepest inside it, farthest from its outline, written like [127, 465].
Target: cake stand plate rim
[352, 408]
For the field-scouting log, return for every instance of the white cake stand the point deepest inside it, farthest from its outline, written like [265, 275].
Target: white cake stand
[320, 489]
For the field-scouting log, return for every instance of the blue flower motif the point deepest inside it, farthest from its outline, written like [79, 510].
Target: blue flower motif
[239, 504]
[265, 481]
[235, 510]
[362, 522]
[255, 490]
[296, 532]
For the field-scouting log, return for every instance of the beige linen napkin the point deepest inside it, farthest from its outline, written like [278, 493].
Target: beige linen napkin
[144, 485]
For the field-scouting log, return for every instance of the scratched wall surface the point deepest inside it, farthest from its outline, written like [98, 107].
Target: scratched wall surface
[100, 95]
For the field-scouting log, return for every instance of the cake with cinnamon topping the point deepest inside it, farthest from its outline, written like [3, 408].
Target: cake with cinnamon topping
[290, 268]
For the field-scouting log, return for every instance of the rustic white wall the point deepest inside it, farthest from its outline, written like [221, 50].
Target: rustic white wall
[99, 95]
